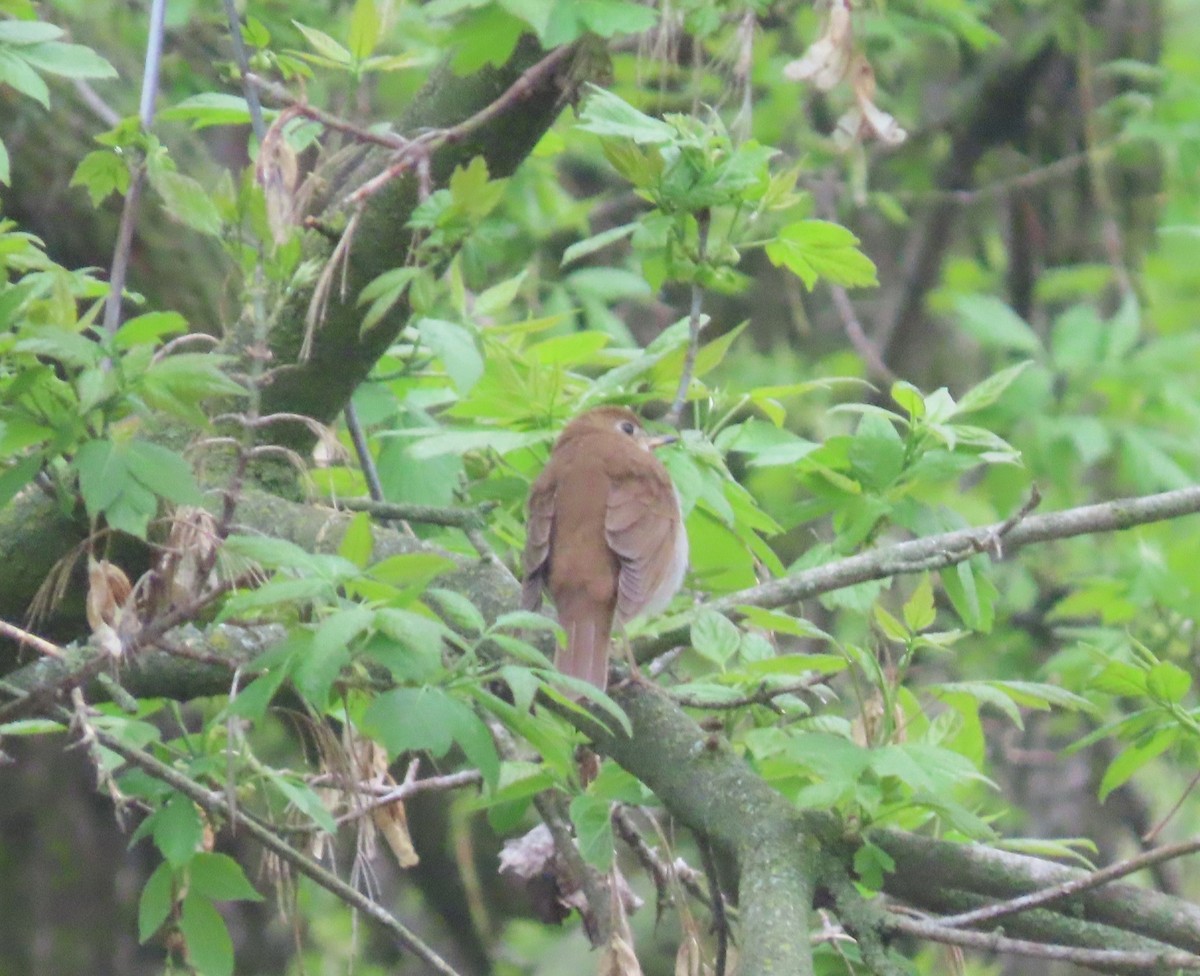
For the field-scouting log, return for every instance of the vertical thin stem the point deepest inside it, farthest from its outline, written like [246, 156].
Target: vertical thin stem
[120, 261]
[243, 63]
[695, 324]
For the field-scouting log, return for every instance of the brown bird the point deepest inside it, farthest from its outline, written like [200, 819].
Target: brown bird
[605, 535]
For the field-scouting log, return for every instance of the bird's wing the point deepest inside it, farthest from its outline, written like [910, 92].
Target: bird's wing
[640, 526]
[539, 530]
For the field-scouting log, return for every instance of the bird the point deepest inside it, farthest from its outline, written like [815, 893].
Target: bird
[605, 535]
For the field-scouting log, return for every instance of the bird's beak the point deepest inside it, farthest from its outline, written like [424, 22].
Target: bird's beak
[662, 440]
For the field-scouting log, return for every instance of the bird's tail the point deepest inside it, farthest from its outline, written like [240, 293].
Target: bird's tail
[588, 641]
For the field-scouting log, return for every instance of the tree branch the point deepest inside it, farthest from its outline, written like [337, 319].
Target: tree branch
[939, 551]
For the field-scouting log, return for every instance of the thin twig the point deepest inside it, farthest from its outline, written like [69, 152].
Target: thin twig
[459, 518]
[661, 871]
[92, 99]
[990, 913]
[431, 784]
[719, 920]
[39, 644]
[120, 261]
[366, 460]
[696, 322]
[280, 94]
[1064, 166]
[130, 646]
[1151, 834]
[243, 62]
[862, 343]
[549, 806]
[1149, 959]
[1110, 228]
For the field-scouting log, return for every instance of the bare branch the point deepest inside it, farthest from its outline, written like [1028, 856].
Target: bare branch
[942, 550]
[120, 261]
[431, 784]
[39, 644]
[1147, 959]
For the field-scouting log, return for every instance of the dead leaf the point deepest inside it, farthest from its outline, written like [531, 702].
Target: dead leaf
[618, 959]
[392, 822]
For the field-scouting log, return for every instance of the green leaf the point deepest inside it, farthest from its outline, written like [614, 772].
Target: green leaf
[148, 329]
[364, 29]
[1130, 760]
[209, 947]
[186, 200]
[102, 475]
[411, 568]
[154, 905]
[17, 74]
[5, 165]
[324, 45]
[358, 542]
[457, 610]
[270, 553]
[1168, 682]
[995, 325]
[592, 817]
[990, 390]
[67, 60]
[304, 799]
[280, 593]
[220, 877]
[972, 595]
[13, 479]
[163, 471]
[178, 830]
[919, 611]
[212, 108]
[606, 114]
[455, 347]
[715, 637]
[813, 249]
[596, 242]
[22, 32]
[414, 719]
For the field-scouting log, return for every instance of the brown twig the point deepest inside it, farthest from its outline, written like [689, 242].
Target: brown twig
[24, 637]
[301, 107]
[431, 784]
[869, 352]
[549, 806]
[1151, 834]
[414, 151]
[662, 872]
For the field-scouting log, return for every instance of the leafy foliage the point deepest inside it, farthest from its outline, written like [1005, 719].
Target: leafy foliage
[525, 299]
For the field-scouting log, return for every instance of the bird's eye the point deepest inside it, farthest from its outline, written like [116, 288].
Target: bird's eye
[627, 427]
